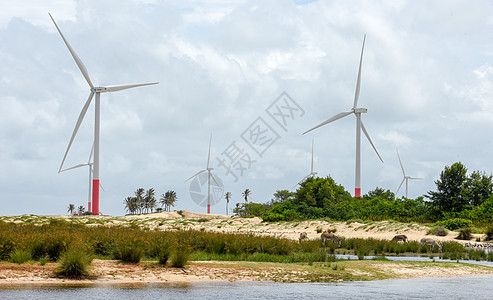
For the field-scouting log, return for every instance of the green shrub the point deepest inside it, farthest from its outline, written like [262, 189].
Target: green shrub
[74, 263]
[20, 256]
[441, 231]
[454, 224]
[464, 234]
[6, 247]
[128, 252]
[180, 256]
[489, 233]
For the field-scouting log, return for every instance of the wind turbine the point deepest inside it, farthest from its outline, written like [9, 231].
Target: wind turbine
[90, 165]
[312, 174]
[359, 126]
[208, 169]
[406, 178]
[94, 90]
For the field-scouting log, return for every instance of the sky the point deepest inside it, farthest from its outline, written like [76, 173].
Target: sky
[255, 75]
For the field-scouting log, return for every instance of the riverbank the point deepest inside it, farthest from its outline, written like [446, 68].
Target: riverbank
[109, 271]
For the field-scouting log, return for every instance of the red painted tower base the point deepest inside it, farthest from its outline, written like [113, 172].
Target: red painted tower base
[89, 206]
[208, 208]
[357, 192]
[95, 197]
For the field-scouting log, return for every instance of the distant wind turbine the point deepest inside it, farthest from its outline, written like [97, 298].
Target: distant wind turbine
[94, 90]
[90, 165]
[208, 169]
[406, 178]
[359, 126]
[312, 173]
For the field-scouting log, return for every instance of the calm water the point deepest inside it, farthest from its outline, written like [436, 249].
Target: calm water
[468, 287]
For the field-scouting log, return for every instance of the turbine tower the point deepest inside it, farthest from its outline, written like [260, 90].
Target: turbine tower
[209, 176]
[312, 174]
[406, 178]
[359, 126]
[90, 165]
[95, 90]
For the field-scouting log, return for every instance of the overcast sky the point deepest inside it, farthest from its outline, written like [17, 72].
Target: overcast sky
[225, 67]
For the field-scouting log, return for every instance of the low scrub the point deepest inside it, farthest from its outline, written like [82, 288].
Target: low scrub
[489, 233]
[464, 234]
[181, 255]
[20, 256]
[74, 263]
[129, 253]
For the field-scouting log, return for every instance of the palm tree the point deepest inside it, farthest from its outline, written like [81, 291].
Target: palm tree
[139, 195]
[71, 209]
[81, 210]
[246, 194]
[228, 197]
[168, 199]
[150, 199]
[131, 205]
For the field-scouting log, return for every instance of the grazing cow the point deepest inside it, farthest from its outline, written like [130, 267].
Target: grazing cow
[432, 243]
[303, 236]
[330, 236]
[400, 238]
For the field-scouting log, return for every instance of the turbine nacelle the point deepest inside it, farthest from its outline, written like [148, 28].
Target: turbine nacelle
[360, 110]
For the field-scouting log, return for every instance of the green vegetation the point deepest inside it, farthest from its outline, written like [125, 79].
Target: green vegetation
[460, 201]
[74, 263]
[20, 256]
[145, 201]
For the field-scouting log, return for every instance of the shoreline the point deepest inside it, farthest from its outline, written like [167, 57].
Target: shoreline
[111, 272]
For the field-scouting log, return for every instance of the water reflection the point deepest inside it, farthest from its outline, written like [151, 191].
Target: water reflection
[477, 287]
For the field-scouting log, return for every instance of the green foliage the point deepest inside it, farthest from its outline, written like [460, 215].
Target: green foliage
[128, 252]
[465, 234]
[74, 263]
[454, 224]
[181, 255]
[489, 232]
[20, 256]
[441, 231]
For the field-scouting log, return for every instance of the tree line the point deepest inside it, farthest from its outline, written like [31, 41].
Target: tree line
[457, 195]
[144, 201]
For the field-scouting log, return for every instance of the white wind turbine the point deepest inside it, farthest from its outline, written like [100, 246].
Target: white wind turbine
[209, 176]
[406, 178]
[90, 165]
[312, 173]
[359, 126]
[94, 90]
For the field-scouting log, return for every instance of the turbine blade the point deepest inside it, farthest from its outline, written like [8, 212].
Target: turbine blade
[369, 139]
[358, 82]
[213, 178]
[402, 167]
[114, 88]
[416, 178]
[334, 118]
[101, 186]
[400, 186]
[74, 167]
[77, 125]
[209, 155]
[79, 63]
[200, 172]
[90, 155]
[312, 156]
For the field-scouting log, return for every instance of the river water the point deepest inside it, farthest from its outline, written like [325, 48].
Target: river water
[466, 287]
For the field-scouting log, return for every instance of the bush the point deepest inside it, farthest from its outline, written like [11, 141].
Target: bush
[20, 256]
[454, 224]
[74, 263]
[441, 231]
[181, 255]
[489, 233]
[129, 253]
[464, 234]
[6, 247]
